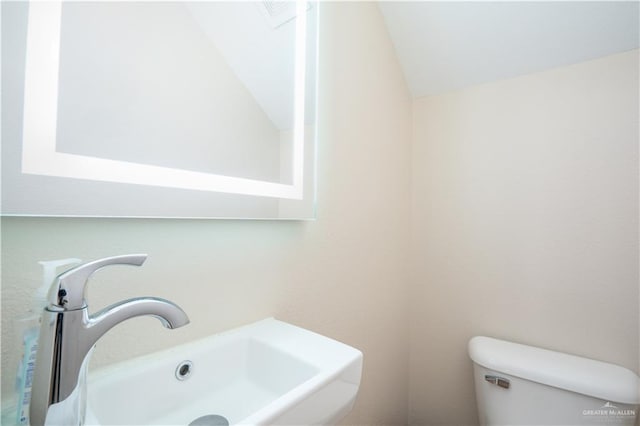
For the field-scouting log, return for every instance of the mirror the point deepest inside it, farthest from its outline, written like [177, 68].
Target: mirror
[159, 109]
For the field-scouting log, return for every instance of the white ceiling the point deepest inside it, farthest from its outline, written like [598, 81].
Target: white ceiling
[447, 45]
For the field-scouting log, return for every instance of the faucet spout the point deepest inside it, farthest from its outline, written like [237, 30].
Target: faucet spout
[169, 314]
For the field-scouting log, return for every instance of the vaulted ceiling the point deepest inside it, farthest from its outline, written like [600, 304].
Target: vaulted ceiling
[448, 45]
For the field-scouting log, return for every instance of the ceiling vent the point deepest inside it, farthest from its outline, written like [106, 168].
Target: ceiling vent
[278, 13]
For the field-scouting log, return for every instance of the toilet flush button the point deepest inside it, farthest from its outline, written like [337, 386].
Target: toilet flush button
[496, 380]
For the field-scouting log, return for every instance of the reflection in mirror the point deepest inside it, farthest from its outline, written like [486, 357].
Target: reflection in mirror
[160, 109]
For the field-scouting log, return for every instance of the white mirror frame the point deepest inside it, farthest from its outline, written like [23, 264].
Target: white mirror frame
[39, 155]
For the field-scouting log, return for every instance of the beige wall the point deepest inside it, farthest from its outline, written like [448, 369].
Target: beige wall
[525, 213]
[344, 275]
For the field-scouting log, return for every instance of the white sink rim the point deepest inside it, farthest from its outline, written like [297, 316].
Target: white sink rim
[330, 363]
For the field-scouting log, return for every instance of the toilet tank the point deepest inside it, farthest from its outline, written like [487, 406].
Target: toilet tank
[523, 385]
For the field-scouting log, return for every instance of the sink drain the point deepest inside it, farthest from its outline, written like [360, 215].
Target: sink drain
[210, 420]
[184, 369]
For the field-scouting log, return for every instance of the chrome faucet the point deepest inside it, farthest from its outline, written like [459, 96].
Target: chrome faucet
[68, 333]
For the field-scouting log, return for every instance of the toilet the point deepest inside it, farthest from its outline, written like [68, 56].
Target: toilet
[523, 385]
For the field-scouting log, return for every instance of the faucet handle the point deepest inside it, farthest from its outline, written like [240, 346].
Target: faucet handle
[67, 291]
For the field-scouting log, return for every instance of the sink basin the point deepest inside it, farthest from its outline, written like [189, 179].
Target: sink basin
[266, 373]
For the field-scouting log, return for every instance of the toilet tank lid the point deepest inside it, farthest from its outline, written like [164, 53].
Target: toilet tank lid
[573, 373]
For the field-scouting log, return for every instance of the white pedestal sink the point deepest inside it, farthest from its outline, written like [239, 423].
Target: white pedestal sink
[266, 373]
